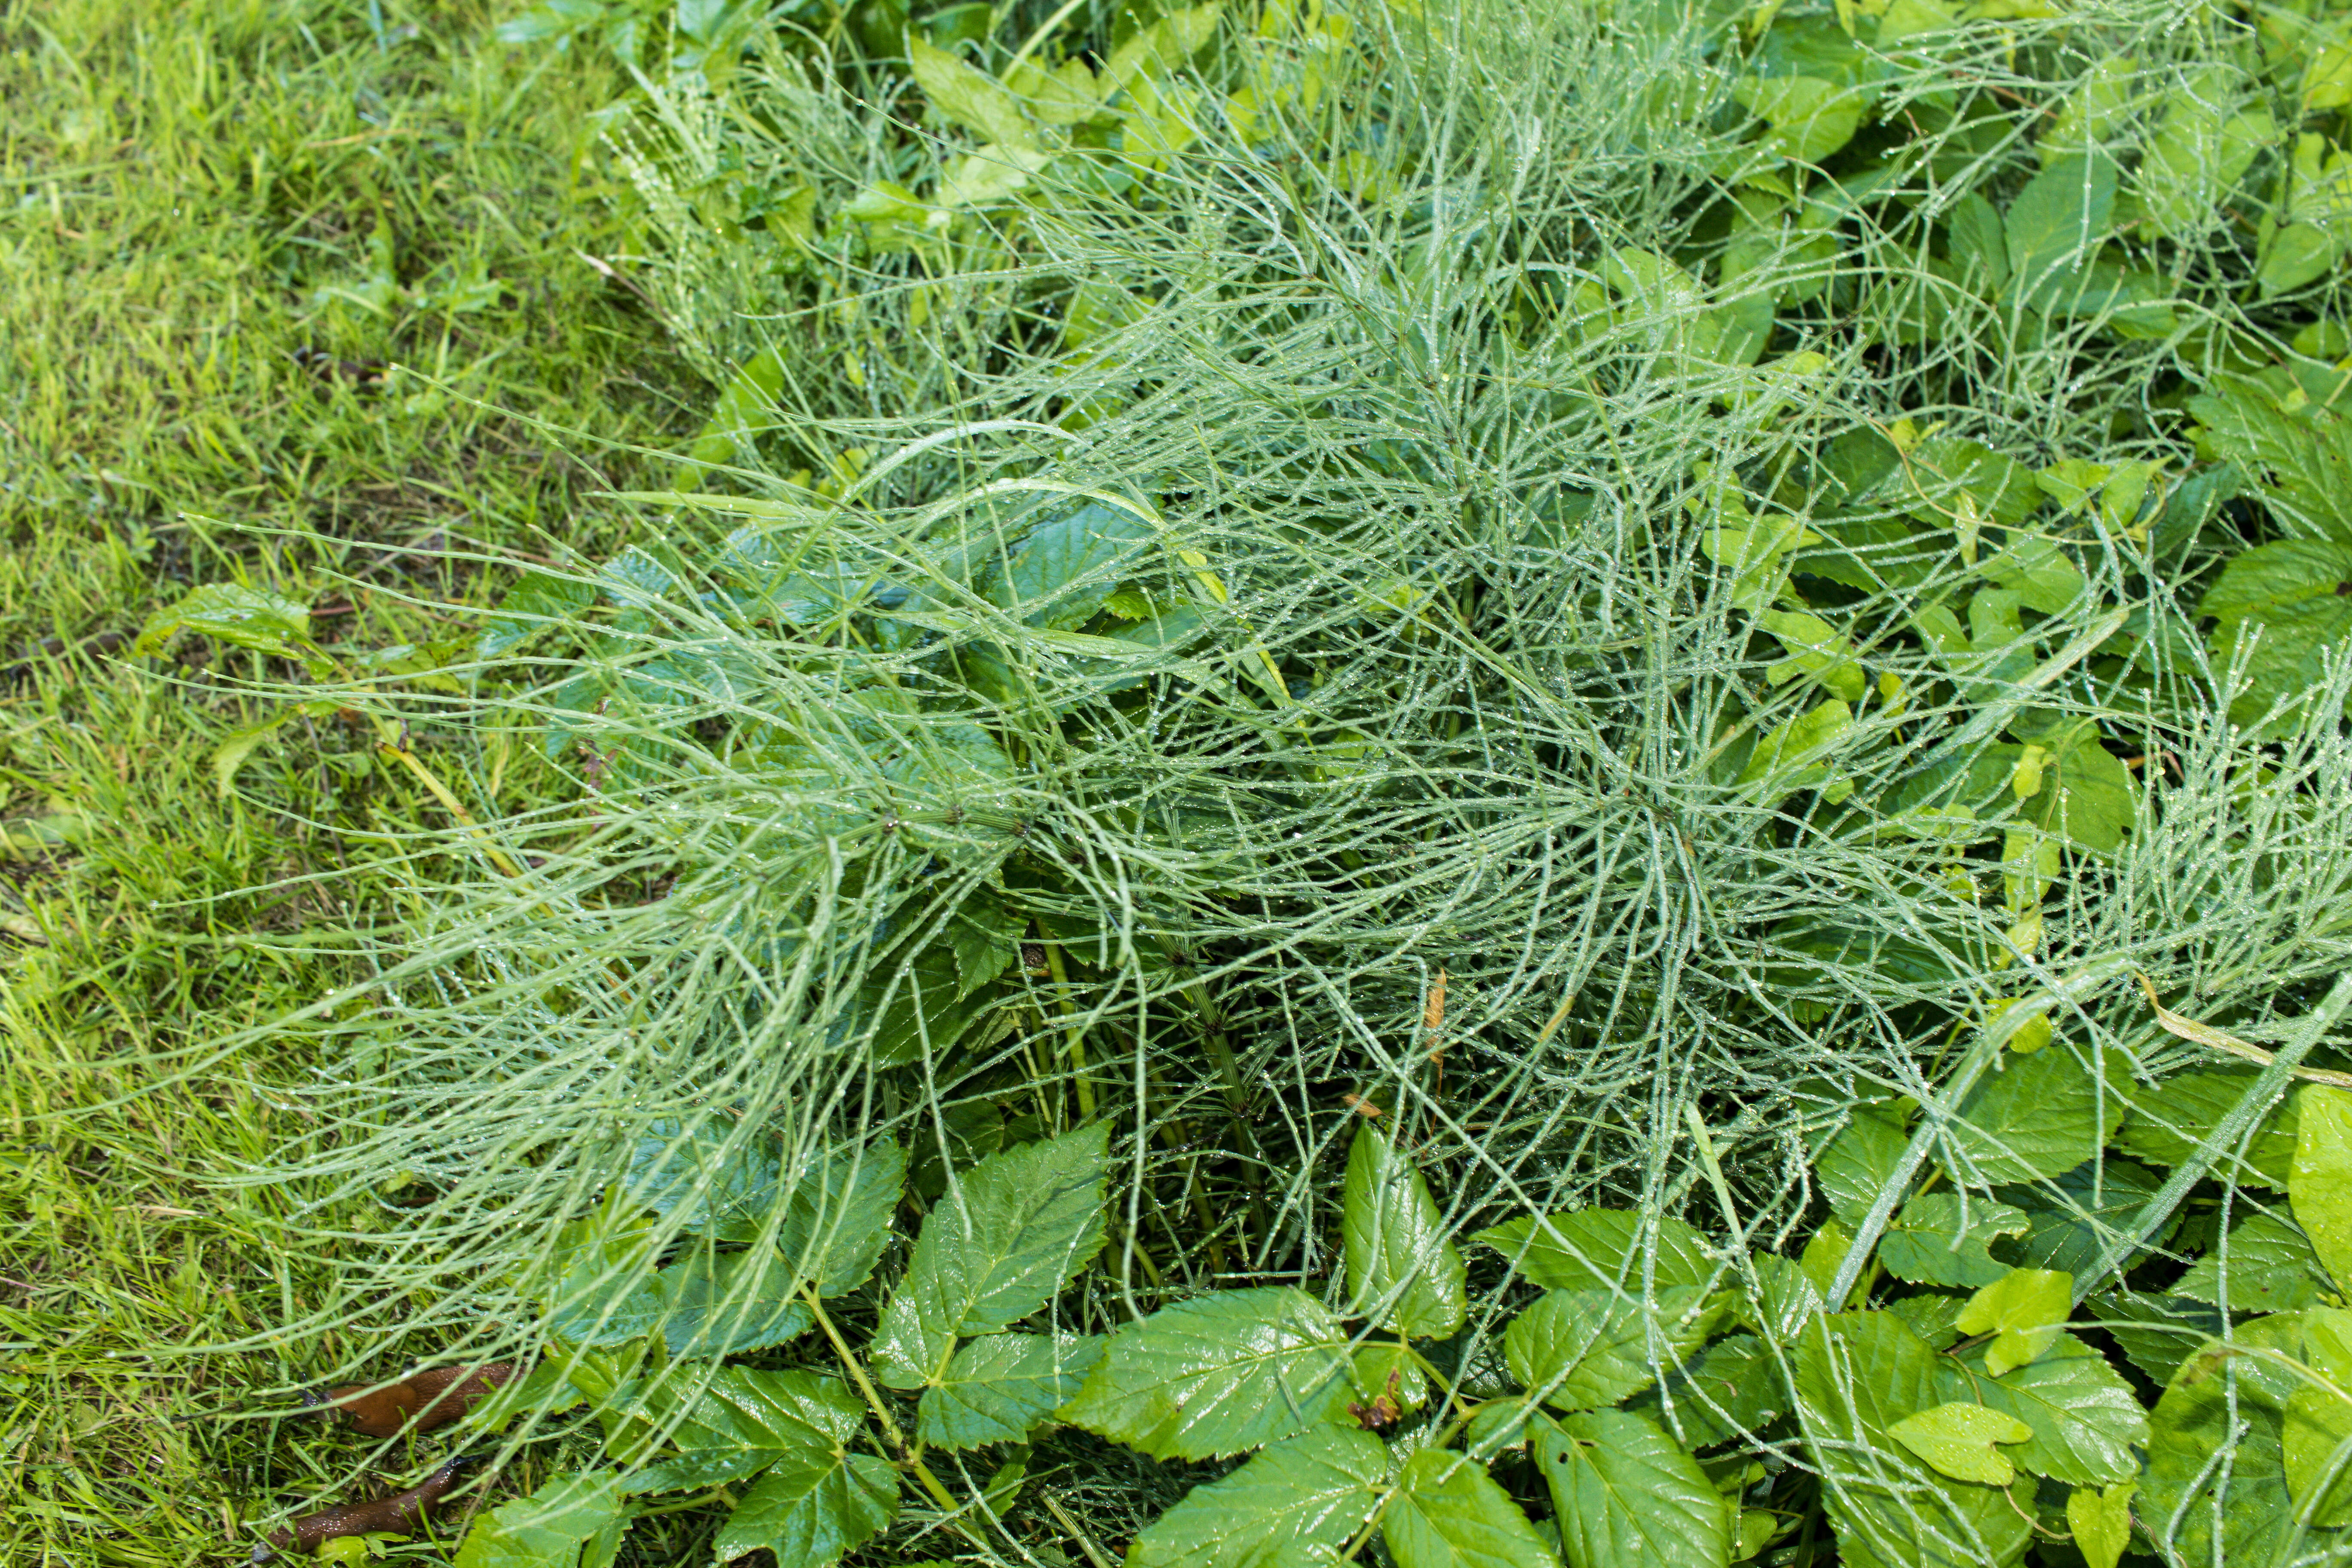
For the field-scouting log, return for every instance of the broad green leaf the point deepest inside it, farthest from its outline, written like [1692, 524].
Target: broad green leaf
[2285, 655]
[985, 937]
[1603, 1250]
[2284, 572]
[2086, 798]
[2300, 252]
[2100, 1520]
[2198, 153]
[1290, 1507]
[2269, 1267]
[719, 1179]
[2224, 1401]
[1783, 1297]
[1791, 756]
[1810, 118]
[2155, 1332]
[1933, 1315]
[1816, 650]
[1858, 1375]
[2037, 571]
[1958, 1440]
[970, 98]
[2025, 1307]
[1732, 1386]
[812, 1508]
[234, 614]
[1626, 1494]
[2094, 111]
[1066, 95]
[2303, 464]
[2320, 1184]
[1218, 1375]
[1000, 1386]
[2085, 1420]
[1855, 1166]
[1165, 46]
[1447, 1513]
[999, 1245]
[546, 1529]
[1933, 1242]
[1579, 1349]
[2072, 1227]
[836, 1219]
[1400, 1262]
[2038, 1116]
[2169, 1119]
[743, 1421]
[716, 1303]
[2055, 224]
[2318, 1419]
[1977, 245]
[1072, 561]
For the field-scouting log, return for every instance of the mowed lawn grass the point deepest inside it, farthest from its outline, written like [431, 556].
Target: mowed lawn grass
[220, 223]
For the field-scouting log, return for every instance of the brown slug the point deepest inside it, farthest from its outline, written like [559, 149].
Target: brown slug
[398, 1514]
[422, 1402]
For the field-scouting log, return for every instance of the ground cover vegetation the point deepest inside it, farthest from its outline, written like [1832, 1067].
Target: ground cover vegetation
[1516, 785]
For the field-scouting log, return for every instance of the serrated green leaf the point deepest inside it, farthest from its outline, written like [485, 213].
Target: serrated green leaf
[985, 937]
[812, 1509]
[1400, 1263]
[1000, 1244]
[1816, 650]
[2056, 223]
[1734, 1386]
[970, 98]
[1069, 564]
[2024, 1308]
[2100, 1520]
[1959, 1440]
[719, 1179]
[1000, 1386]
[1793, 754]
[539, 600]
[2284, 572]
[1931, 1242]
[2085, 1420]
[2224, 1401]
[2303, 465]
[740, 1421]
[2040, 1115]
[1447, 1513]
[2171, 1118]
[2266, 1267]
[1290, 1507]
[1810, 118]
[2198, 153]
[1857, 1374]
[2156, 1332]
[2319, 1187]
[547, 1529]
[234, 614]
[1625, 1493]
[2319, 1420]
[1580, 1348]
[1603, 1250]
[718, 1303]
[2071, 1227]
[1855, 1165]
[1218, 1375]
[836, 1219]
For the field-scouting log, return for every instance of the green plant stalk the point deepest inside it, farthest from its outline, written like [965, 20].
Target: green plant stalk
[1075, 1047]
[898, 1438]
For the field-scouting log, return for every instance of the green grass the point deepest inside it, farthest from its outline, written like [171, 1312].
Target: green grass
[183, 182]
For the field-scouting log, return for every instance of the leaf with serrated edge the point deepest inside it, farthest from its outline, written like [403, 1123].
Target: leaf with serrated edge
[2269, 1269]
[547, 1526]
[811, 1508]
[1627, 1494]
[2320, 1184]
[1000, 1386]
[998, 1245]
[2083, 1417]
[837, 1219]
[1218, 1375]
[1734, 1386]
[1399, 1261]
[1585, 1348]
[743, 1421]
[1598, 1249]
[1290, 1507]
[1447, 1513]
